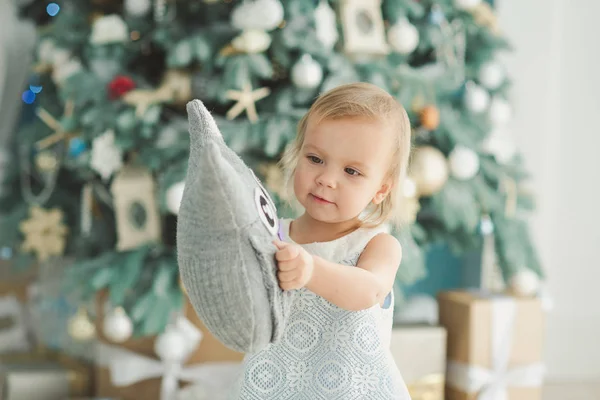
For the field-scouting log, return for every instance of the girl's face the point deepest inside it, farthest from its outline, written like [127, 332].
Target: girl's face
[342, 167]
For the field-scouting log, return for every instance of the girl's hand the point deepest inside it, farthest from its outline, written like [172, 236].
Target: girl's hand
[295, 265]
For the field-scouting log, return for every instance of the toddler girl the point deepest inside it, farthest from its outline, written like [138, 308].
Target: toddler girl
[346, 166]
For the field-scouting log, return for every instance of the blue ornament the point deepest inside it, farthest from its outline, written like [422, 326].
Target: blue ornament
[6, 253]
[28, 97]
[35, 89]
[52, 9]
[76, 147]
[436, 16]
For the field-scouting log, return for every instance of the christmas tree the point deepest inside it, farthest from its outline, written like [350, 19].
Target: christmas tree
[100, 169]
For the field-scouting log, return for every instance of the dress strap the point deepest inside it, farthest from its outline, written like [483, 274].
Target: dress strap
[339, 249]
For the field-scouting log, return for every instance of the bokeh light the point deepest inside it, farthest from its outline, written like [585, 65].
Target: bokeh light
[28, 97]
[53, 9]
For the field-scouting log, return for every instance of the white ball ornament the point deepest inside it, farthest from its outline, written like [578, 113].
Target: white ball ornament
[60, 57]
[500, 112]
[464, 163]
[409, 188]
[525, 283]
[491, 75]
[403, 37]
[46, 51]
[173, 197]
[500, 144]
[307, 73]
[117, 326]
[272, 13]
[257, 14]
[467, 4]
[476, 99]
[137, 8]
[171, 346]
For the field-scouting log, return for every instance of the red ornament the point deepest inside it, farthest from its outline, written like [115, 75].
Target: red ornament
[119, 86]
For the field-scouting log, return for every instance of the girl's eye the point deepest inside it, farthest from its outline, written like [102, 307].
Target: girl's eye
[351, 171]
[315, 159]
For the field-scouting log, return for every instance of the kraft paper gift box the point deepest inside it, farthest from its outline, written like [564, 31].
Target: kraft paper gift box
[495, 345]
[420, 354]
[133, 371]
[43, 375]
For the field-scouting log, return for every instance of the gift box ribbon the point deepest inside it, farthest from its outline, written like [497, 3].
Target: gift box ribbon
[127, 367]
[492, 384]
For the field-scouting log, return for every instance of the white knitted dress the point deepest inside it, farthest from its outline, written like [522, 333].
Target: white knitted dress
[327, 353]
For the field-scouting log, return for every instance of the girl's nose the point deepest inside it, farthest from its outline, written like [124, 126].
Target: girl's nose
[327, 179]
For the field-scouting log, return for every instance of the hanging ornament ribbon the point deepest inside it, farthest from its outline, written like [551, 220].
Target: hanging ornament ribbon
[451, 49]
[492, 384]
[491, 278]
[86, 209]
[162, 12]
[127, 368]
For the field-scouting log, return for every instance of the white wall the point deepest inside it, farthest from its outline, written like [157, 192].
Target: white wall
[557, 101]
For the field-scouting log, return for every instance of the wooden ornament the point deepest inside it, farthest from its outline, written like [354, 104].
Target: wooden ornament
[484, 15]
[363, 28]
[44, 233]
[179, 83]
[175, 88]
[430, 117]
[54, 124]
[136, 211]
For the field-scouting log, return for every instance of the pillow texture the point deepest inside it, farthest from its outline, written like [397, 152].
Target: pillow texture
[226, 224]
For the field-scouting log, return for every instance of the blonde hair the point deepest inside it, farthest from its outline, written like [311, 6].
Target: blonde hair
[361, 100]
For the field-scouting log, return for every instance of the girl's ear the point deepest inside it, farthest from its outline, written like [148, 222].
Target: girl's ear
[382, 193]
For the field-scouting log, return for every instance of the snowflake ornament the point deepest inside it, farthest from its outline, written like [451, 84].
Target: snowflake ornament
[44, 233]
[106, 157]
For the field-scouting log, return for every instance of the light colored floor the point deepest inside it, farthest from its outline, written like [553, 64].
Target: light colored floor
[572, 391]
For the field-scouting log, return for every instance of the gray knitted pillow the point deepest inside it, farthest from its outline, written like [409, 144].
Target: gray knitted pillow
[225, 229]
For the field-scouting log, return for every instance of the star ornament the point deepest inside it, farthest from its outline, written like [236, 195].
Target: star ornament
[245, 101]
[44, 233]
[54, 124]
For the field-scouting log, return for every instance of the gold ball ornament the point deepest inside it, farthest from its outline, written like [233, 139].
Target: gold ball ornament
[430, 117]
[410, 202]
[80, 327]
[429, 170]
[409, 211]
[46, 161]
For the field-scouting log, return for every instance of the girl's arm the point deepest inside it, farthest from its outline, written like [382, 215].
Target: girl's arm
[361, 287]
